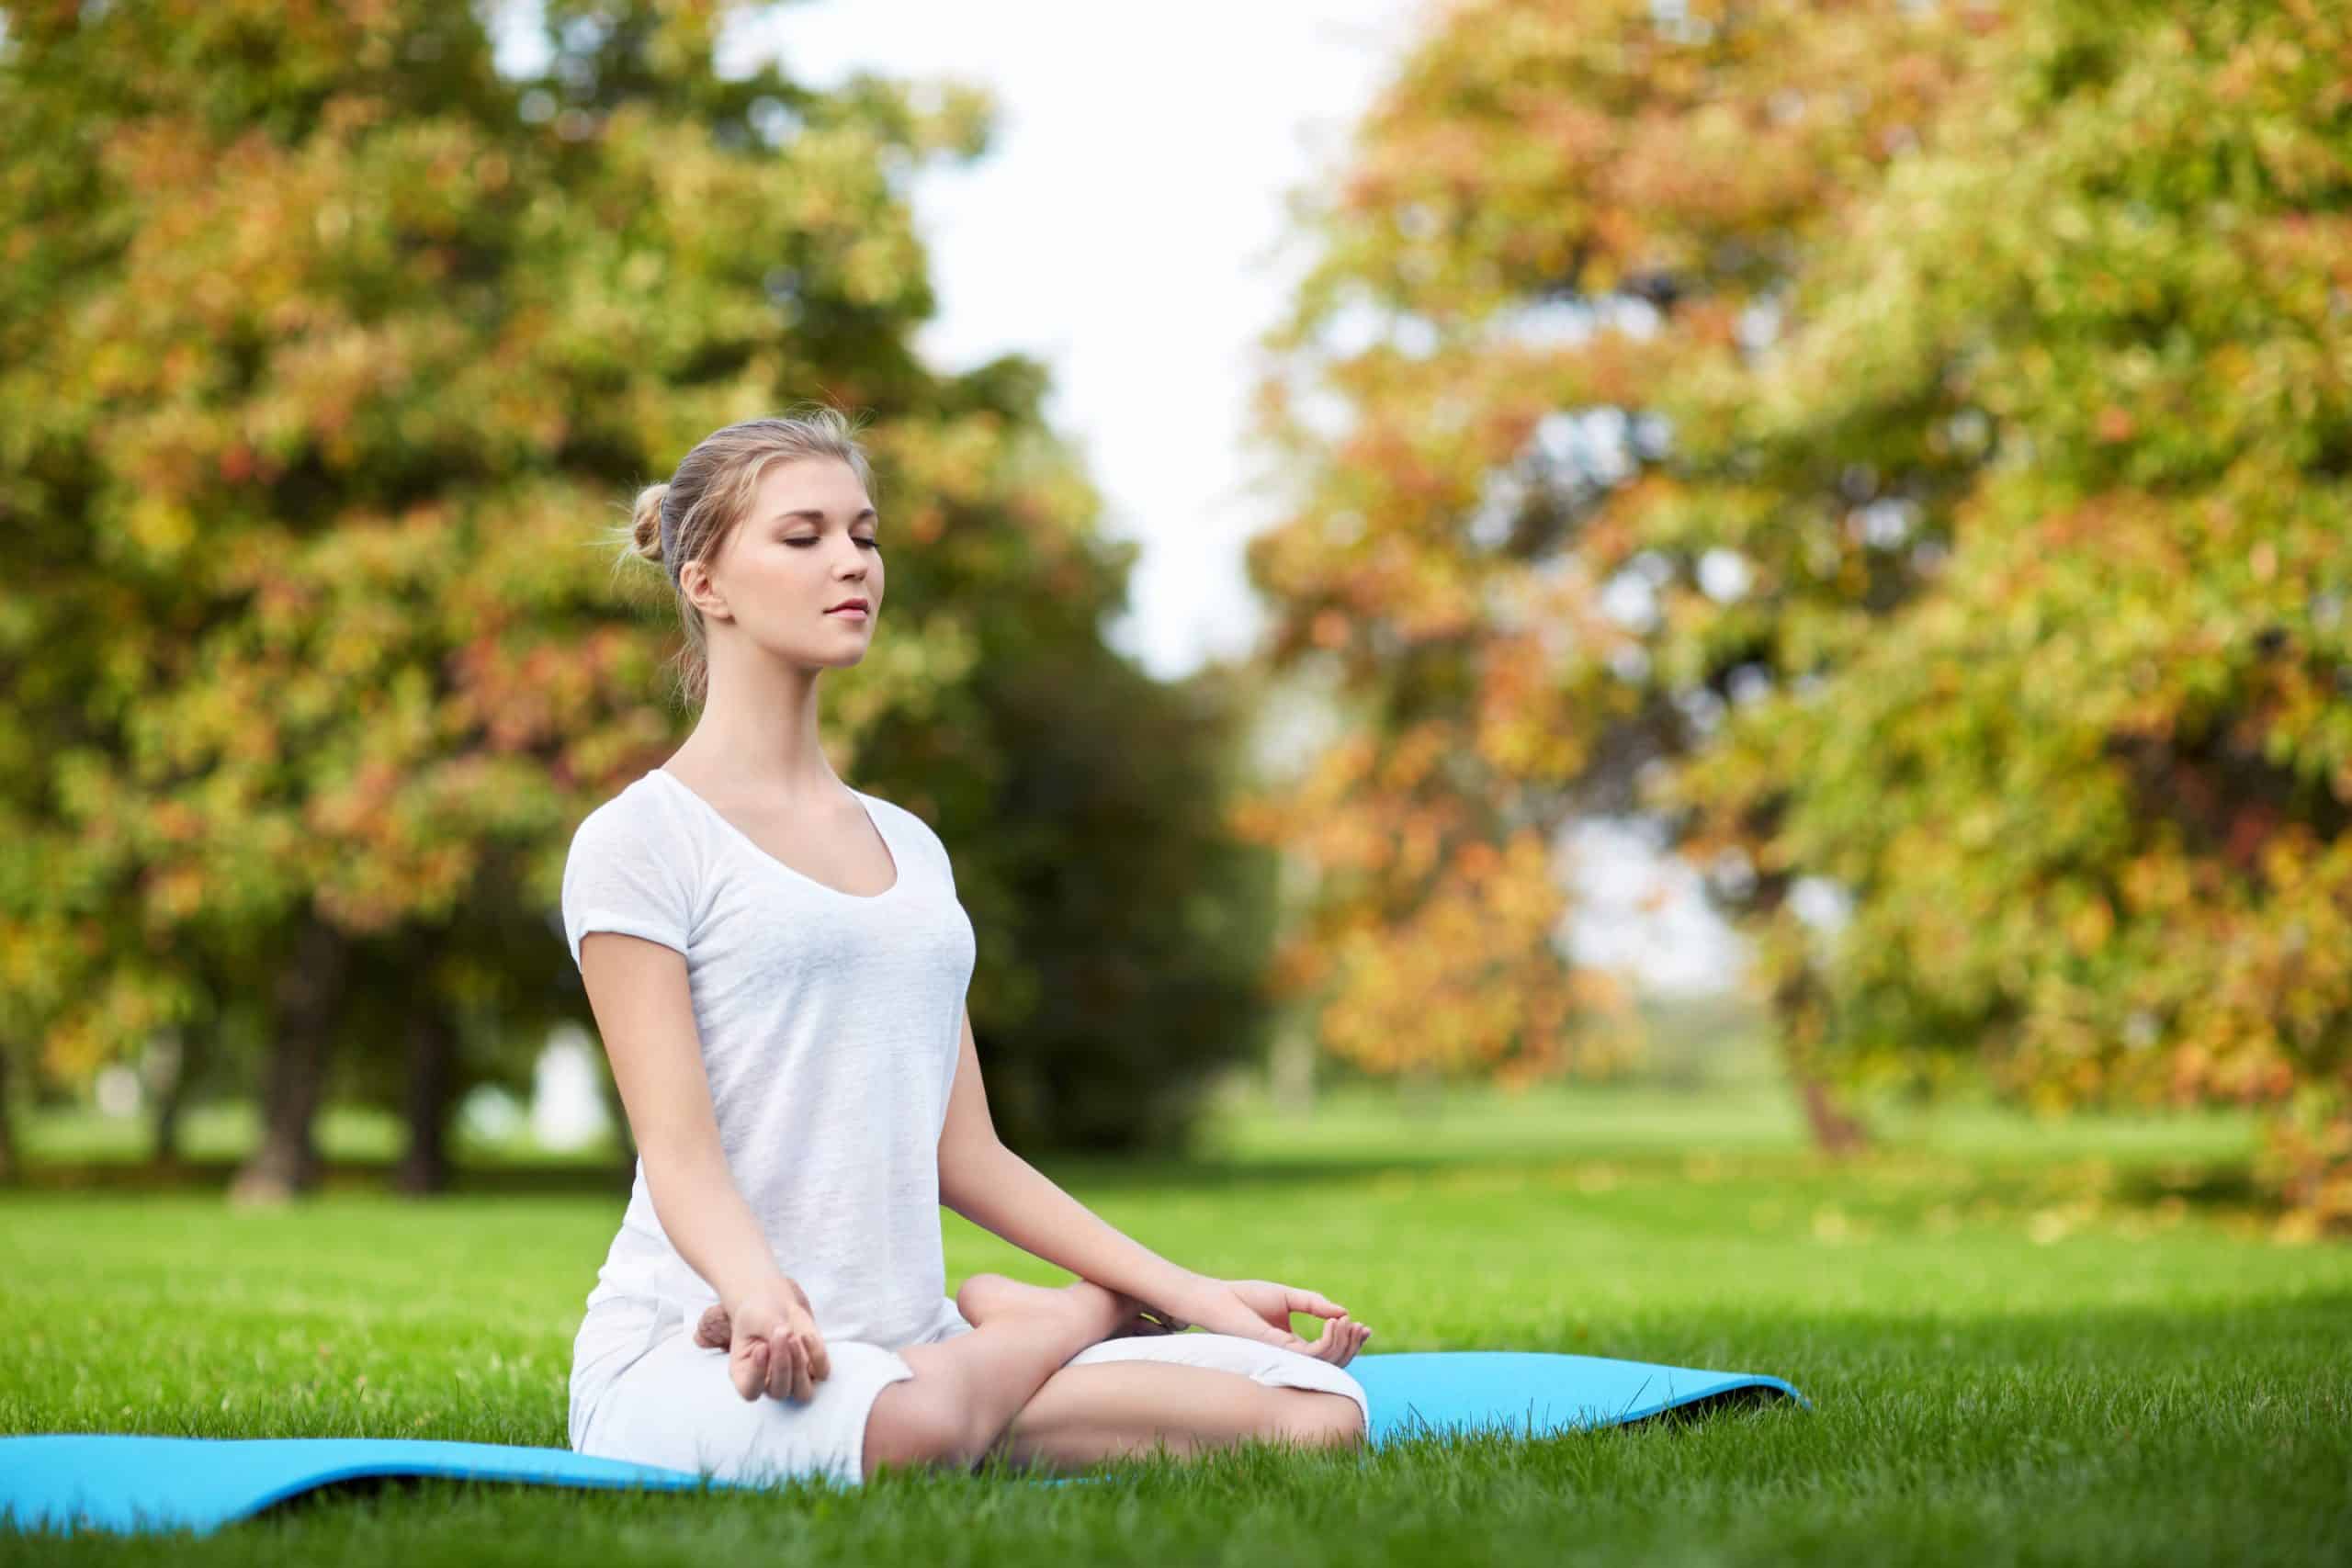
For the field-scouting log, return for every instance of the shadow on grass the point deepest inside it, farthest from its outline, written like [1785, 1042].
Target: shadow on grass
[2203, 1185]
[336, 1176]
[2218, 1185]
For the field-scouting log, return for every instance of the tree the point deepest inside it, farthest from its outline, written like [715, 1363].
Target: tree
[326, 354]
[2091, 795]
[1504, 545]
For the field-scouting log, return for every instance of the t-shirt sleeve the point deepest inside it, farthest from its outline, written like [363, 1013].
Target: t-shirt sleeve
[620, 876]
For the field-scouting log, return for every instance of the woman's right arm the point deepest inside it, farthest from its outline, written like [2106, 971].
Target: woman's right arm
[644, 1009]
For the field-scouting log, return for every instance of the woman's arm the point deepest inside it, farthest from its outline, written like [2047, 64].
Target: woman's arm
[644, 1007]
[993, 1186]
[645, 1011]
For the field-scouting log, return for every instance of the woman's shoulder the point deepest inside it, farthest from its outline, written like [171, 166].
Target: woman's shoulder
[909, 822]
[640, 813]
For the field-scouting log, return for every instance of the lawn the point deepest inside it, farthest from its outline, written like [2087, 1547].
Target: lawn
[2023, 1342]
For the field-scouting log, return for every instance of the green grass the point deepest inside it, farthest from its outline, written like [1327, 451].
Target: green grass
[2024, 1343]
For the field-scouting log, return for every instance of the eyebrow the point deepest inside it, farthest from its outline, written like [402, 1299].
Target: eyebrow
[815, 516]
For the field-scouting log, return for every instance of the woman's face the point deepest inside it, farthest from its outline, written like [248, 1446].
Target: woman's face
[808, 543]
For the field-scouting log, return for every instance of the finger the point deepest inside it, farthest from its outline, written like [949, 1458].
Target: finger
[747, 1365]
[782, 1365]
[795, 1367]
[1314, 1301]
[804, 1364]
[804, 1386]
[821, 1364]
[1288, 1341]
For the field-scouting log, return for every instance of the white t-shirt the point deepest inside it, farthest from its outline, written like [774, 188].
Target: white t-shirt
[831, 1025]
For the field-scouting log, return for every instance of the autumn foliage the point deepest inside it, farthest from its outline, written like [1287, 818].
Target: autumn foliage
[329, 354]
[1905, 447]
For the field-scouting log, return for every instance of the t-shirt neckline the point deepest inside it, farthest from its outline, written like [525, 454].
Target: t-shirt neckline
[897, 861]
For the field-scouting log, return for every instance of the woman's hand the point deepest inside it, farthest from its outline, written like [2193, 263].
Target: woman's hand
[1260, 1310]
[770, 1339]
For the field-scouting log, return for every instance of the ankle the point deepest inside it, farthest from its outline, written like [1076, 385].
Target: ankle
[1095, 1306]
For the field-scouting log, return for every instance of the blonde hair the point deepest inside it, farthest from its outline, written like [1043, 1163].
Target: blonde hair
[689, 517]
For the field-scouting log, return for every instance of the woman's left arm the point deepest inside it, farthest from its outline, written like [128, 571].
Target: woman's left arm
[994, 1187]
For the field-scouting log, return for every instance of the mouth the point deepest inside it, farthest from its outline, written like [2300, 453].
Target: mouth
[851, 609]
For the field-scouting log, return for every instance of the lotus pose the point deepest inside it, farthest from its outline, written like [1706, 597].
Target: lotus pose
[777, 962]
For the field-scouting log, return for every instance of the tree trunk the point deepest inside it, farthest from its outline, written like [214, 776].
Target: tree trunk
[1834, 1132]
[1797, 1011]
[11, 1172]
[309, 996]
[170, 1099]
[431, 1079]
[1833, 1129]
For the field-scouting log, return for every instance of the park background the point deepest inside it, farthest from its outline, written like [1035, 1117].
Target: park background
[1872, 472]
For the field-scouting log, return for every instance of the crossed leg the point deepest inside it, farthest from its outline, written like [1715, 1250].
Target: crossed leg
[1003, 1388]
[1084, 1414]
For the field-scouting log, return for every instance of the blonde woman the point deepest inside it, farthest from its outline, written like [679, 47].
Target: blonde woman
[777, 962]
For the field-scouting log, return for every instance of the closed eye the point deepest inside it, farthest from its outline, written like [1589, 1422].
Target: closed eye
[869, 544]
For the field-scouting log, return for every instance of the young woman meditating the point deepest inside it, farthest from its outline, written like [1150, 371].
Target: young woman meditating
[777, 962]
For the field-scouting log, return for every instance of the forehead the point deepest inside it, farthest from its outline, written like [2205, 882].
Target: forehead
[827, 484]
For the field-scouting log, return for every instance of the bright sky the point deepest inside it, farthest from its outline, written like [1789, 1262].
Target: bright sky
[1127, 229]
[1124, 228]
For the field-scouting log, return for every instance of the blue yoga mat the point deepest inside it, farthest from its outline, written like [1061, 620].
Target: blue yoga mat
[130, 1484]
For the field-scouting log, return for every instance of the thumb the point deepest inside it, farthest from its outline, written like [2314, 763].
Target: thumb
[1284, 1337]
[747, 1366]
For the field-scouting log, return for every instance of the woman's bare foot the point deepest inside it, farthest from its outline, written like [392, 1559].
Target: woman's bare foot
[717, 1330]
[1103, 1313]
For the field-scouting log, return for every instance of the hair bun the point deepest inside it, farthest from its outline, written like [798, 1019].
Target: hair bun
[648, 520]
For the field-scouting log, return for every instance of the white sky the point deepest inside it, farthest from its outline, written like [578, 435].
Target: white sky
[1124, 228]
[1127, 229]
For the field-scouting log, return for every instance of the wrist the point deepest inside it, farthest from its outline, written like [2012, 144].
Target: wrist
[1184, 1287]
[736, 1289]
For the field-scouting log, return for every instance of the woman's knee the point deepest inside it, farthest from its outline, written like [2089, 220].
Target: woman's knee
[1316, 1419]
[914, 1423]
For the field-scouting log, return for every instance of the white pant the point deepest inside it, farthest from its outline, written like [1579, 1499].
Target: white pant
[643, 1390]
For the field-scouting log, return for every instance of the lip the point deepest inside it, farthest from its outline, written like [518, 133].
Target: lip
[854, 610]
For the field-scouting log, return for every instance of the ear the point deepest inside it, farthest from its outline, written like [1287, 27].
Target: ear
[703, 593]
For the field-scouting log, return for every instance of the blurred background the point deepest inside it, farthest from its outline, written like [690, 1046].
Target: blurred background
[1742, 571]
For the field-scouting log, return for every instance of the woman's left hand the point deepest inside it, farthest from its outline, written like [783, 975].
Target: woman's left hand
[1260, 1310]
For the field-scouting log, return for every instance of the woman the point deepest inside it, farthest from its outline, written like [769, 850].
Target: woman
[778, 964]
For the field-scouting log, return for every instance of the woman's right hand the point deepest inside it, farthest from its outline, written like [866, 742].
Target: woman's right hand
[770, 1339]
